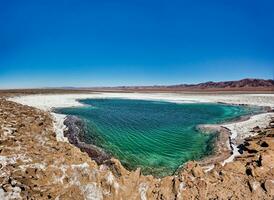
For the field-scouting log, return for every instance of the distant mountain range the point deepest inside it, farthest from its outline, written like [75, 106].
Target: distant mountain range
[240, 85]
[248, 85]
[244, 83]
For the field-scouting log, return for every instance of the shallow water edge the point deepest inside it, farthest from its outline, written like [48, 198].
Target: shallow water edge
[74, 133]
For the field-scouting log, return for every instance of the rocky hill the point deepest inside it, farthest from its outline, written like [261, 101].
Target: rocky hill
[244, 83]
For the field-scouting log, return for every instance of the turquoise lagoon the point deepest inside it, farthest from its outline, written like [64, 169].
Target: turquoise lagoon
[156, 136]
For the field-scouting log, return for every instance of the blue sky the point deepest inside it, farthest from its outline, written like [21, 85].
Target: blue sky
[141, 42]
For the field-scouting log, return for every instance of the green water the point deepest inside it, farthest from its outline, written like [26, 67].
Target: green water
[156, 136]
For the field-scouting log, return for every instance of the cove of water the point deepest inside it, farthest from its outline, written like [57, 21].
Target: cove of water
[156, 136]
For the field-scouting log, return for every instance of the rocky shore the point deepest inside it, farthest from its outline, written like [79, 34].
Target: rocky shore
[74, 132]
[34, 165]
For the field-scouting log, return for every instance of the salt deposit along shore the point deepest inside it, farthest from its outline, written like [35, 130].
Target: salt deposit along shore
[49, 101]
[238, 130]
[35, 164]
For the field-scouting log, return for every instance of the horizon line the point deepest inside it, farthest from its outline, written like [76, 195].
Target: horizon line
[131, 86]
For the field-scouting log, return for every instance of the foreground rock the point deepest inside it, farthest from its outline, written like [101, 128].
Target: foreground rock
[33, 165]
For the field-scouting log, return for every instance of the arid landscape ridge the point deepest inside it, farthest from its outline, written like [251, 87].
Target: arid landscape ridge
[248, 85]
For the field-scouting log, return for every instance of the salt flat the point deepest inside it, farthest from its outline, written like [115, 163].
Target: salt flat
[49, 101]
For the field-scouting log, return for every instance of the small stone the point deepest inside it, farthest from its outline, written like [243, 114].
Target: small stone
[253, 185]
[269, 187]
[197, 171]
[256, 129]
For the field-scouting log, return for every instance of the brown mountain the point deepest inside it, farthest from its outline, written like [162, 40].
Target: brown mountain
[244, 83]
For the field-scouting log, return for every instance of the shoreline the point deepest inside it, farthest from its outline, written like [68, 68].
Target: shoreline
[226, 145]
[47, 102]
[227, 133]
[74, 132]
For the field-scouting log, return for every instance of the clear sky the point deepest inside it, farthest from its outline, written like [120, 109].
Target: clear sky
[134, 42]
